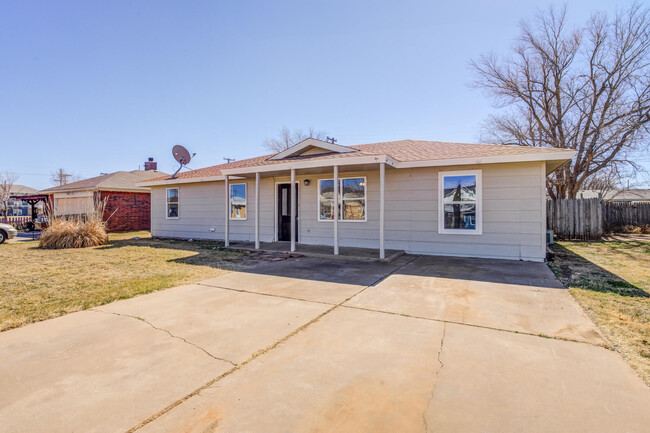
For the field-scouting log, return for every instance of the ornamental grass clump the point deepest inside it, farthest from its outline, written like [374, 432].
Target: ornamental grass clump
[79, 231]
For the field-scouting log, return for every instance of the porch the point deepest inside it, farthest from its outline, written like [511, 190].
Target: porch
[320, 251]
[342, 202]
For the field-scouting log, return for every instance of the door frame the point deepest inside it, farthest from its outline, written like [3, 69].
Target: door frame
[275, 209]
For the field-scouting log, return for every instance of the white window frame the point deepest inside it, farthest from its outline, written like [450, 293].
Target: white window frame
[479, 202]
[230, 201]
[341, 220]
[178, 203]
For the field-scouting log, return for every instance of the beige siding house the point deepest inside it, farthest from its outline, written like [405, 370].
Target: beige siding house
[422, 197]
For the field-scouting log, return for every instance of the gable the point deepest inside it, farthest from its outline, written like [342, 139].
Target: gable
[312, 146]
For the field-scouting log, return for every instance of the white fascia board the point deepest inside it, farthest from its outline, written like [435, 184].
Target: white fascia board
[312, 142]
[369, 159]
[551, 156]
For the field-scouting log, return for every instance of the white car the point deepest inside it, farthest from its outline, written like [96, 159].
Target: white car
[7, 232]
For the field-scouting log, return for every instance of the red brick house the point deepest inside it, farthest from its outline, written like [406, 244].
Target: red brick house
[128, 206]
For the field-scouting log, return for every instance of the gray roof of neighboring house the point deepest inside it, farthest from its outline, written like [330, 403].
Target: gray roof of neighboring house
[628, 195]
[22, 190]
[120, 180]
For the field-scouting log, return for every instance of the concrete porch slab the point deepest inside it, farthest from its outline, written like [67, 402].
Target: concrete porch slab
[321, 251]
[500, 381]
[516, 296]
[312, 279]
[227, 324]
[94, 372]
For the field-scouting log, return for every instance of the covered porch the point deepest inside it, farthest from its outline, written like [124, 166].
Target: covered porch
[334, 169]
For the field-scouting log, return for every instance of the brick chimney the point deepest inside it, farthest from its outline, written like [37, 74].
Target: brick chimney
[150, 165]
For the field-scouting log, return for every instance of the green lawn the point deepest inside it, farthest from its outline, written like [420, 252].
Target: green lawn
[38, 284]
[611, 281]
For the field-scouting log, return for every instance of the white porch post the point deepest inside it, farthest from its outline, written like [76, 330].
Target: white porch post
[227, 230]
[293, 209]
[382, 184]
[336, 210]
[257, 211]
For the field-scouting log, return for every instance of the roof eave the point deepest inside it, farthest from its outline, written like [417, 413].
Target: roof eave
[562, 156]
[556, 158]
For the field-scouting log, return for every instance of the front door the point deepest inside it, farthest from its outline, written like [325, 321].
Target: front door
[284, 212]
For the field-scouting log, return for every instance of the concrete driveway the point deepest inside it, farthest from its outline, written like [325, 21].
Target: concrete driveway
[420, 344]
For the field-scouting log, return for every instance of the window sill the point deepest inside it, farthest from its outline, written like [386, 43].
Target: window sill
[460, 232]
[344, 221]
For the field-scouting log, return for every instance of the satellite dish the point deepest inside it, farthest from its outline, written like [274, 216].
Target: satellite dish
[181, 155]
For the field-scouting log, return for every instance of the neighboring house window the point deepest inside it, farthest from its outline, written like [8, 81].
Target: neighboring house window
[238, 201]
[172, 203]
[352, 199]
[459, 204]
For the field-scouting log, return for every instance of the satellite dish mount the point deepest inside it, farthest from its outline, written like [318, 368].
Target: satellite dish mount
[182, 156]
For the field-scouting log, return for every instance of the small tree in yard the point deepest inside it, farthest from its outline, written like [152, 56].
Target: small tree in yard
[7, 181]
[286, 138]
[585, 88]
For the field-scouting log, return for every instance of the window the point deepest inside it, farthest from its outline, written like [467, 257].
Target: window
[352, 199]
[172, 203]
[459, 205]
[238, 201]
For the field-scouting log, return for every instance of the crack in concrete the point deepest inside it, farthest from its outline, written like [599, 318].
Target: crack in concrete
[168, 332]
[442, 343]
[258, 353]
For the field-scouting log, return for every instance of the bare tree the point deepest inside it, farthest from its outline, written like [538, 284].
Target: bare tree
[7, 181]
[286, 138]
[585, 88]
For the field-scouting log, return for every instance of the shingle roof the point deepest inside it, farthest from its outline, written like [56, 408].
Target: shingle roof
[401, 151]
[629, 195]
[22, 190]
[419, 150]
[113, 181]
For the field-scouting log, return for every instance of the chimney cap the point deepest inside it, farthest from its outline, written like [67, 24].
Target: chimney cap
[150, 159]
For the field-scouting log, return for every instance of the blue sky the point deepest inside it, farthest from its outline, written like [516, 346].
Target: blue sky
[100, 86]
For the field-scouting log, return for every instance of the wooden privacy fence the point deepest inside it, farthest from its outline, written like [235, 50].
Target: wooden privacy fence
[617, 216]
[575, 218]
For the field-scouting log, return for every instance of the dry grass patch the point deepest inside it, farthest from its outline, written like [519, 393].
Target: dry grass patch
[38, 284]
[611, 281]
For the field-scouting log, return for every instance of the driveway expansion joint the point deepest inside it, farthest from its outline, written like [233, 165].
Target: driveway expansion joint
[604, 345]
[293, 298]
[167, 332]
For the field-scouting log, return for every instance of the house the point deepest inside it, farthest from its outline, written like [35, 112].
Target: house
[127, 203]
[422, 197]
[17, 207]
